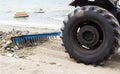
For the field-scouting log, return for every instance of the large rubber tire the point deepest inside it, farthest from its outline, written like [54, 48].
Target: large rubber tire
[98, 27]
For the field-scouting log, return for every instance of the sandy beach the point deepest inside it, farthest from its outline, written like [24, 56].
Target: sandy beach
[50, 58]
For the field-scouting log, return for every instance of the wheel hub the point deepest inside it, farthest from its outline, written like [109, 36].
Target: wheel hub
[88, 36]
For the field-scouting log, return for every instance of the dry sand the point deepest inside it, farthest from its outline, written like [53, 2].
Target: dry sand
[50, 58]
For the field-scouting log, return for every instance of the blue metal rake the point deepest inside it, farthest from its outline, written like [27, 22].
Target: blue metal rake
[33, 38]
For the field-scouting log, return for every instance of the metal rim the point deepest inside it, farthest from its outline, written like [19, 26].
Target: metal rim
[87, 36]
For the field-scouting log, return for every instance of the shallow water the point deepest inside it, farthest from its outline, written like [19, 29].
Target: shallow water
[55, 11]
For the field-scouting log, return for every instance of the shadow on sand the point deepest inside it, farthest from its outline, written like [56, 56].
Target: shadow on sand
[114, 62]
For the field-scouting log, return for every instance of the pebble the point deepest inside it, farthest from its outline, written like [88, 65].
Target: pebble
[16, 47]
[8, 42]
[12, 49]
[58, 64]
[15, 56]
[8, 54]
[4, 45]
[8, 48]
[21, 68]
[52, 63]
[4, 41]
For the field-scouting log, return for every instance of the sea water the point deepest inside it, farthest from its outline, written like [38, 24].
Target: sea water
[55, 12]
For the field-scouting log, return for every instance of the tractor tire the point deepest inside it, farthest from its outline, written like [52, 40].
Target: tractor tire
[90, 35]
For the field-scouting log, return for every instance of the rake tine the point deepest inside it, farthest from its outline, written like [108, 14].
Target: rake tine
[30, 40]
[39, 39]
[36, 39]
[33, 40]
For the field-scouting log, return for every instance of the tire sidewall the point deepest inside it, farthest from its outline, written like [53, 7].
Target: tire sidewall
[105, 25]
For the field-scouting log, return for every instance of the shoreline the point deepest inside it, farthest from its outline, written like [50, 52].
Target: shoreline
[16, 24]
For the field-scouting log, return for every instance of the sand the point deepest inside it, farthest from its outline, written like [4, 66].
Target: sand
[50, 58]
